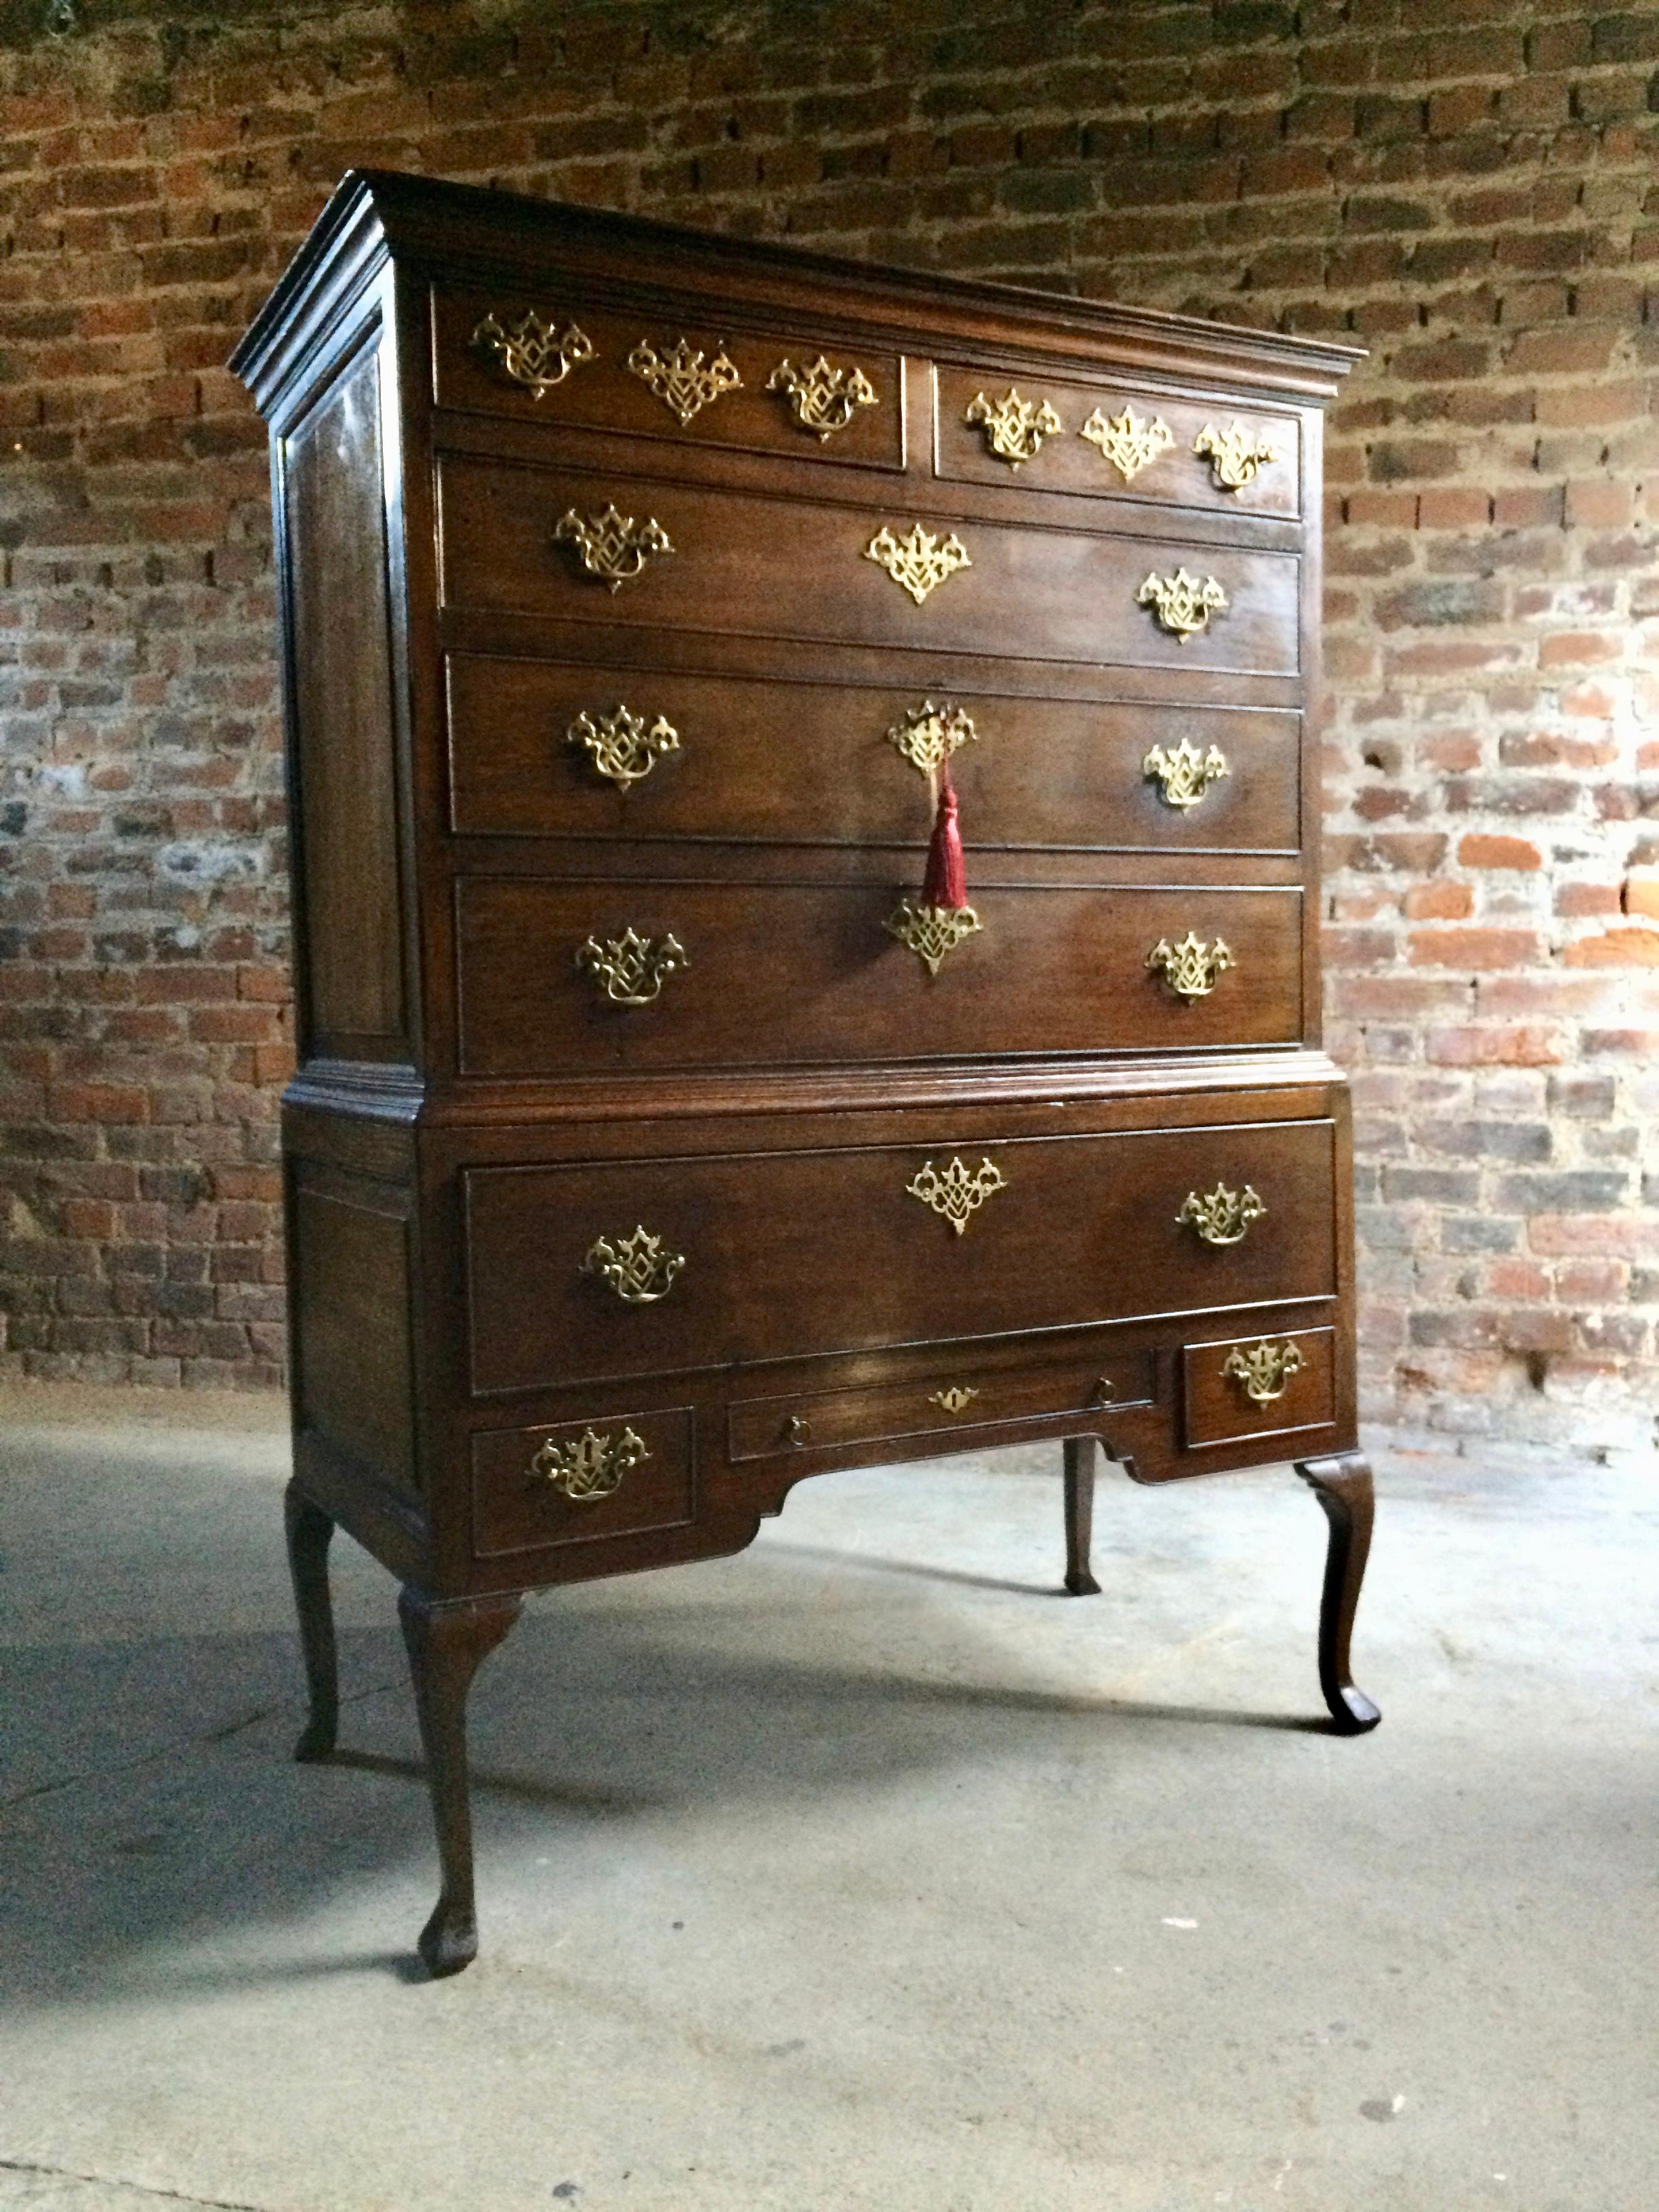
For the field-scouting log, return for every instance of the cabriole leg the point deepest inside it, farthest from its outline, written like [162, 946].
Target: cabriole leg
[1343, 1487]
[309, 1529]
[446, 1646]
[1081, 1456]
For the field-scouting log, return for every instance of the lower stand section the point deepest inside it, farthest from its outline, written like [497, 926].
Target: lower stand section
[448, 1644]
[1343, 1486]
[1082, 1455]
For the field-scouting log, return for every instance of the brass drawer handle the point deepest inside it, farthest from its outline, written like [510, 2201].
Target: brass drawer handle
[1127, 441]
[798, 1429]
[640, 1269]
[612, 546]
[528, 349]
[955, 1399]
[593, 1466]
[1186, 774]
[959, 1191]
[1015, 428]
[1263, 1372]
[1235, 455]
[679, 379]
[1223, 1216]
[918, 562]
[824, 399]
[630, 969]
[1184, 604]
[1191, 969]
[620, 745]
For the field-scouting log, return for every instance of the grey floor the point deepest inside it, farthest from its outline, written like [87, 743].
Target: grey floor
[863, 1870]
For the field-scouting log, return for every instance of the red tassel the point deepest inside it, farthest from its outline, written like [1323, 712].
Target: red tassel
[946, 883]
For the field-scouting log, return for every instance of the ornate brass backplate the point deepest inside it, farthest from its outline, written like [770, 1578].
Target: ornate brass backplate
[679, 379]
[824, 399]
[1190, 968]
[958, 1192]
[630, 969]
[640, 1269]
[621, 746]
[1184, 604]
[613, 546]
[955, 1399]
[917, 562]
[1186, 774]
[1263, 1372]
[927, 735]
[1236, 454]
[1128, 440]
[593, 1466]
[1221, 1216]
[532, 352]
[1014, 428]
[931, 932]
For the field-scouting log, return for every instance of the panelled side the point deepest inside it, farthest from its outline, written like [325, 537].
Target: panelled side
[349, 954]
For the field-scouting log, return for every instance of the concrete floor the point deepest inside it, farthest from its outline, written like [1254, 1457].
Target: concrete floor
[860, 1871]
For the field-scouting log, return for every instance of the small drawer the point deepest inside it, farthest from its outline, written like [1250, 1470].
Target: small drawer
[1103, 441]
[665, 556]
[1257, 1386]
[961, 1395]
[571, 1482]
[549, 358]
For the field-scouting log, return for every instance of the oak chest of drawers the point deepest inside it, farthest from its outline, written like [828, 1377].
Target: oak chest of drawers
[660, 1136]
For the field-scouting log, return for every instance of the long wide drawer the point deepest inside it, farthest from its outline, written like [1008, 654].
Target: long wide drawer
[584, 1271]
[773, 567]
[563, 748]
[772, 973]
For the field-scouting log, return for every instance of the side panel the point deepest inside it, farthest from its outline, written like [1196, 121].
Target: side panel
[343, 763]
[351, 1318]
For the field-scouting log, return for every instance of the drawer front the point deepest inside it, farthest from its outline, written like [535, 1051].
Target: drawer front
[568, 365]
[1151, 455]
[560, 749]
[767, 973]
[618, 1474]
[961, 1395]
[764, 566]
[773, 1255]
[1249, 1385]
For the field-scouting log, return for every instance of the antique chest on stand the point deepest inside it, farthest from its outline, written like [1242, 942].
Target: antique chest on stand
[672, 1119]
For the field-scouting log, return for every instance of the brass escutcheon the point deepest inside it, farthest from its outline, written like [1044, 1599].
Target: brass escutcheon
[955, 1399]
[679, 379]
[931, 932]
[927, 735]
[1221, 1216]
[1128, 440]
[958, 1192]
[918, 562]
[592, 1467]
[1263, 1372]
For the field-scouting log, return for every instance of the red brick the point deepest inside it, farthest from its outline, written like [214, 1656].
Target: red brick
[1473, 948]
[1617, 948]
[1479, 851]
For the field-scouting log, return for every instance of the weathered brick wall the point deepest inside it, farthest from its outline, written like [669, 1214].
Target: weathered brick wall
[1464, 185]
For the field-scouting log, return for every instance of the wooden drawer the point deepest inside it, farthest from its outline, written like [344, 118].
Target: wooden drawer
[782, 760]
[782, 1255]
[1242, 1387]
[775, 566]
[962, 1394]
[475, 334]
[1065, 461]
[777, 972]
[617, 1474]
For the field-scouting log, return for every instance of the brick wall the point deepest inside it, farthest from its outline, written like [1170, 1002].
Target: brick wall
[1464, 185]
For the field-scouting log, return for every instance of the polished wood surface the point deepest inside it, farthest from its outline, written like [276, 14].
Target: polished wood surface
[861, 1212]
